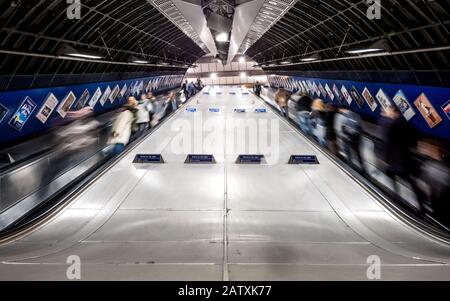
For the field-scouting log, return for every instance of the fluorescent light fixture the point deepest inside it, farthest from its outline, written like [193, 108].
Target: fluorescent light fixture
[285, 62]
[310, 58]
[380, 45]
[141, 62]
[273, 3]
[222, 37]
[68, 50]
[85, 56]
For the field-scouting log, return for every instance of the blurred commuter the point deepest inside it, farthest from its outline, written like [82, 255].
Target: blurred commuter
[303, 107]
[142, 115]
[348, 131]
[318, 121]
[191, 89]
[185, 89]
[173, 100]
[257, 89]
[123, 126]
[151, 107]
[282, 97]
[199, 84]
[398, 140]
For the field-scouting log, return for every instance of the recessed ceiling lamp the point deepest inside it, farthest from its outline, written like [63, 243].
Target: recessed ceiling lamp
[222, 37]
[380, 45]
[68, 50]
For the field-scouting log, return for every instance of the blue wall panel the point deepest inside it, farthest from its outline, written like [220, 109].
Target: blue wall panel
[438, 97]
[12, 100]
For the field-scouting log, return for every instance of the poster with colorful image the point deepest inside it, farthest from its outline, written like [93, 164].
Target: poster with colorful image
[123, 90]
[330, 93]
[23, 114]
[3, 112]
[403, 105]
[445, 108]
[66, 104]
[427, 110]
[115, 92]
[337, 93]
[384, 100]
[316, 89]
[95, 98]
[81, 102]
[357, 97]
[346, 95]
[373, 105]
[323, 92]
[105, 96]
[47, 108]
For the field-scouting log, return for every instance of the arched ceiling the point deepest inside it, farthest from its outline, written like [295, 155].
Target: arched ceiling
[32, 31]
[330, 28]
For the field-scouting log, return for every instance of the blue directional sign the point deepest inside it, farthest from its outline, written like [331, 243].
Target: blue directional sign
[200, 159]
[250, 159]
[239, 110]
[301, 159]
[214, 110]
[245, 93]
[205, 93]
[219, 93]
[262, 110]
[191, 110]
[232, 93]
[148, 158]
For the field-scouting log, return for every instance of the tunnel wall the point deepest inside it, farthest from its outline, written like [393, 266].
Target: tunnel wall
[437, 99]
[21, 111]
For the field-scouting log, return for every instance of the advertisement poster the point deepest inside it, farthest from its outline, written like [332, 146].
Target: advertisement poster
[330, 93]
[316, 89]
[373, 105]
[323, 92]
[346, 95]
[403, 105]
[337, 93]
[123, 91]
[105, 96]
[95, 98]
[149, 86]
[23, 114]
[384, 99]
[445, 108]
[306, 86]
[81, 102]
[141, 87]
[115, 92]
[65, 105]
[3, 112]
[427, 110]
[357, 97]
[47, 109]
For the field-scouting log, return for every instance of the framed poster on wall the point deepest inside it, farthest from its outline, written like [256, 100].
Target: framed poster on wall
[23, 114]
[47, 108]
[427, 110]
[3, 112]
[95, 98]
[65, 105]
[445, 108]
[373, 105]
[346, 95]
[384, 100]
[357, 97]
[105, 96]
[403, 105]
[82, 100]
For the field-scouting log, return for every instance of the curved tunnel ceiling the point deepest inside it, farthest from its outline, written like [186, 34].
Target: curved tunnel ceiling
[116, 29]
[329, 28]
[122, 28]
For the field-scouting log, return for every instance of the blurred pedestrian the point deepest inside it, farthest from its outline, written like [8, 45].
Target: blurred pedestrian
[123, 126]
[257, 89]
[282, 97]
